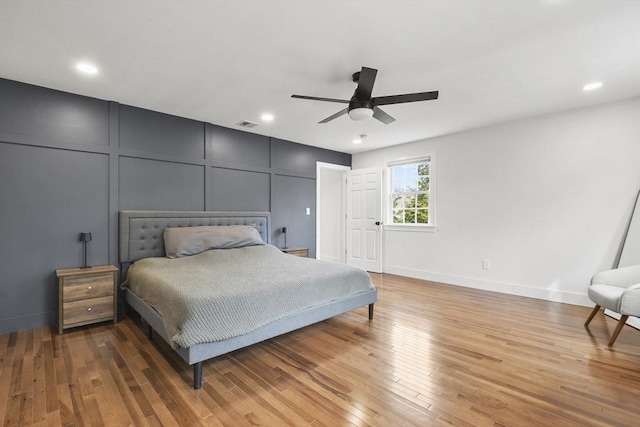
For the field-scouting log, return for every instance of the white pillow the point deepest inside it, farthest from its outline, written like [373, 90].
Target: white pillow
[185, 241]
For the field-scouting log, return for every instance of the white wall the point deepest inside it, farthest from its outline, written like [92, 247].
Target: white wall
[545, 199]
[630, 253]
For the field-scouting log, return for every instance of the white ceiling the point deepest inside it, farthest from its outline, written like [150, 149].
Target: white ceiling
[227, 61]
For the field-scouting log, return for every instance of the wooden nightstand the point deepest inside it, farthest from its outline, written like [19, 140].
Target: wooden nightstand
[86, 295]
[301, 252]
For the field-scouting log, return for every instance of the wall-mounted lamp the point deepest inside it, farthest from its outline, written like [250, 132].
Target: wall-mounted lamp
[284, 231]
[85, 238]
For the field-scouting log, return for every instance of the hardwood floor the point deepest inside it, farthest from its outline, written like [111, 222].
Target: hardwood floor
[433, 355]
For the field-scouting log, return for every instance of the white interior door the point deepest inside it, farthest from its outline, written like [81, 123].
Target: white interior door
[364, 230]
[331, 212]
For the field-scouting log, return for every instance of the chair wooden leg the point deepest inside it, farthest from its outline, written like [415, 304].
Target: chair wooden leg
[591, 316]
[621, 322]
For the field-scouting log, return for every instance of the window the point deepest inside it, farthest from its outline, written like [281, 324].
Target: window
[411, 189]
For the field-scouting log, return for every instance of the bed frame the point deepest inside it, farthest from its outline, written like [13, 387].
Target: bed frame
[141, 236]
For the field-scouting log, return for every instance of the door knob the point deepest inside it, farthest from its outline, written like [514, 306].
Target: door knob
[377, 222]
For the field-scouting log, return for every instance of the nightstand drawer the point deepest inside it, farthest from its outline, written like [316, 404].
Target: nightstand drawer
[88, 310]
[301, 252]
[76, 288]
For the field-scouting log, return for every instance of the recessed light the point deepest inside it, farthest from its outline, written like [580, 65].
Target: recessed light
[86, 68]
[360, 139]
[592, 86]
[267, 117]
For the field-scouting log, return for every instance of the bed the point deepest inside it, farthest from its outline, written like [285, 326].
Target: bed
[144, 264]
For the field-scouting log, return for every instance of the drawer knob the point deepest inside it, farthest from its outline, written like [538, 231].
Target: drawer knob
[89, 309]
[89, 287]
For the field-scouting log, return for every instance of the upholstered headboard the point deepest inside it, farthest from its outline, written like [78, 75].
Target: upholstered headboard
[141, 232]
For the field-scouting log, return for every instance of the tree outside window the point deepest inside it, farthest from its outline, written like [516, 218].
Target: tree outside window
[410, 189]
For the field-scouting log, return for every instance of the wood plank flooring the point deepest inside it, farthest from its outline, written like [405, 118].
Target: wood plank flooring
[433, 355]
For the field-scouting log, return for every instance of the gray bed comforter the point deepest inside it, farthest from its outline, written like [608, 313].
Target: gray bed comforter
[223, 293]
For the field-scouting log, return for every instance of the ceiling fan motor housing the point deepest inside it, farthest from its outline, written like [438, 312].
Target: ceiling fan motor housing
[359, 110]
[358, 103]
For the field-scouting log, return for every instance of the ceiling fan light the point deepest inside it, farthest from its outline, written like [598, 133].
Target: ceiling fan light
[359, 114]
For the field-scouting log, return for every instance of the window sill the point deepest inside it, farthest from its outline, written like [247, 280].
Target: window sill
[410, 227]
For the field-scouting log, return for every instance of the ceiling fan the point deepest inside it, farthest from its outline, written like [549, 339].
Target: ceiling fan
[362, 106]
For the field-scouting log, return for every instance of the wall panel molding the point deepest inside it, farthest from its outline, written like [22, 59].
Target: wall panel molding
[239, 167]
[59, 116]
[38, 141]
[47, 197]
[159, 133]
[114, 177]
[134, 154]
[73, 169]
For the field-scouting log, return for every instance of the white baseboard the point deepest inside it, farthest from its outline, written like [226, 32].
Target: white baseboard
[631, 321]
[502, 287]
[506, 288]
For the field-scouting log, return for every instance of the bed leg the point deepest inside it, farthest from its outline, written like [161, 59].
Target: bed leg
[197, 375]
[149, 332]
[370, 311]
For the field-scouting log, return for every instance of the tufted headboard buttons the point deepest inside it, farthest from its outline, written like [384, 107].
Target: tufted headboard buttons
[141, 233]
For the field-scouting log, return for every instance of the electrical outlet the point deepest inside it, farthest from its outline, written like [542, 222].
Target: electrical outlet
[308, 212]
[486, 264]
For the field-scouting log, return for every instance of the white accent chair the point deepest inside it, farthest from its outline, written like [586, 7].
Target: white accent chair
[617, 290]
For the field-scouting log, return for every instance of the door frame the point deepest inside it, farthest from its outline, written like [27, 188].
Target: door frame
[343, 231]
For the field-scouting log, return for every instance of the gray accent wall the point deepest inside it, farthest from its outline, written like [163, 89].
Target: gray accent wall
[69, 163]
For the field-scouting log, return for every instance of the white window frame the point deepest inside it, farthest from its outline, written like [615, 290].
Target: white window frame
[389, 224]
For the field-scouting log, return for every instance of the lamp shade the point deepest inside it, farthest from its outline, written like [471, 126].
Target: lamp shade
[85, 237]
[359, 114]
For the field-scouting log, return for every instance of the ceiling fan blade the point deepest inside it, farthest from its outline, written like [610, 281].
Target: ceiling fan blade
[365, 83]
[382, 116]
[335, 116]
[401, 99]
[315, 98]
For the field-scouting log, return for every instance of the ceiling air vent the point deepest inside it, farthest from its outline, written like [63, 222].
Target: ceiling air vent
[247, 124]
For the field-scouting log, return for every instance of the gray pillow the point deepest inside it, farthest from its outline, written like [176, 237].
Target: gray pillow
[185, 241]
